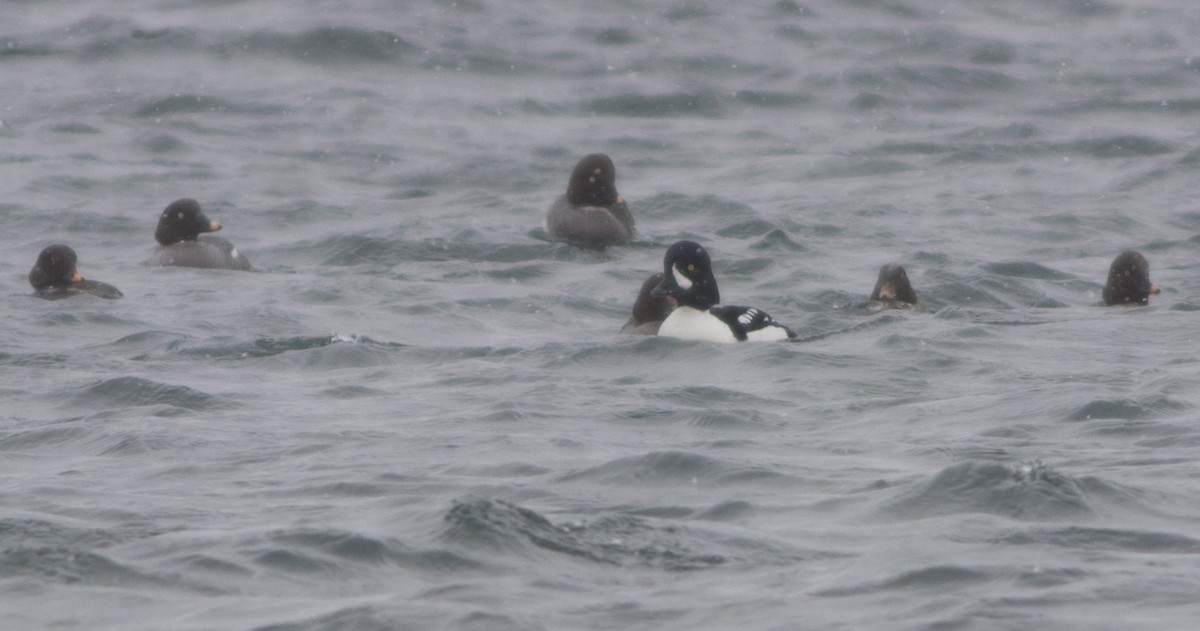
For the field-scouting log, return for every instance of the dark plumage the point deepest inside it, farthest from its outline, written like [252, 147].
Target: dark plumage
[1129, 280]
[181, 243]
[55, 276]
[592, 214]
[893, 285]
[649, 311]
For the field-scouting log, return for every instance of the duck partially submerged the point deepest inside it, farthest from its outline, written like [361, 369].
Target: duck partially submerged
[1129, 280]
[181, 242]
[892, 287]
[592, 214]
[55, 275]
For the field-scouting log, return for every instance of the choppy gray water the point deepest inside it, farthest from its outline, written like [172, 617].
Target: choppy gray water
[418, 415]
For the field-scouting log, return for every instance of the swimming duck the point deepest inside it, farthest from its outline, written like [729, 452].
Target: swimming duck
[181, 243]
[688, 278]
[592, 214]
[892, 286]
[55, 276]
[1129, 280]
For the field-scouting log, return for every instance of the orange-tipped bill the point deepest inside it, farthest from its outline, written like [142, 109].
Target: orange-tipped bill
[214, 226]
[77, 277]
[1154, 289]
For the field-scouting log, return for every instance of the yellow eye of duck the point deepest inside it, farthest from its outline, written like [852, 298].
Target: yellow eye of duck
[691, 267]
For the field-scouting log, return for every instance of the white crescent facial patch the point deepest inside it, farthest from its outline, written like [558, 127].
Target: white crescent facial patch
[683, 281]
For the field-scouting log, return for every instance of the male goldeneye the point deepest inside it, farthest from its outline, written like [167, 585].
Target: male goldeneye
[1129, 280]
[592, 214]
[893, 286]
[688, 278]
[181, 244]
[55, 276]
[649, 311]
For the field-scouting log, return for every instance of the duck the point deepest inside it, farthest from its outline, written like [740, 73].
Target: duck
[1129, 280]
[591, 214]
[55, 276]
[688, 278]
[649, 311]
[181, 244]
[892, 287]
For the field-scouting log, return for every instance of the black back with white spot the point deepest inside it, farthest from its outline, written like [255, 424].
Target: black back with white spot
[745, 320]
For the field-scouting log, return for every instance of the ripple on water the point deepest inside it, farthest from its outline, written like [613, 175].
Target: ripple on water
[673, 467]
[42, 437]
[201, 104]
[329, 45]
[624, 540]
[1154, 406]
[702, 103]
[78, 566]
[1026, 492]
[136, 391]
[314, 551]
[936, 577]
[1109, 539]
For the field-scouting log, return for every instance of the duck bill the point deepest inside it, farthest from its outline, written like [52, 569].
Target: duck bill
[77, 277]
[1154, 289]
[213, 227]
[664, 290]
[887, 292]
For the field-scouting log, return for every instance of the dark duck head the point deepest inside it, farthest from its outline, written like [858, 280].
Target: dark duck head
[182, 220]
[1129, 280]
[688, 276]
[55, 267]
[893, 285]
[593, 182]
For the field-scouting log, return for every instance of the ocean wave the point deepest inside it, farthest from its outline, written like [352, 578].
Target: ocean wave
[702, 104]
[326, 44]
[737, 216]
[357, 617]
[943, 78]
[1126, 146]
[318, 553]
[78, 566]
[674, 467]
[347, 250]
[16, 531]
[42, 437]
[1029, 491]
[136, 391]
[935, 577]
[1155, 406]
[270, 347]
[1024, 269]
[108, 37]
[351, 391]
[623, 540]
[1107, 539]
[203, 104]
